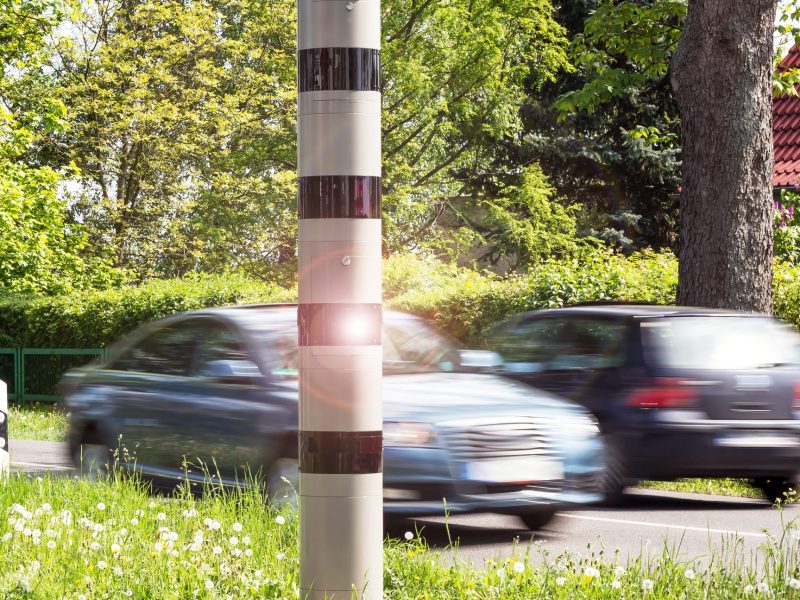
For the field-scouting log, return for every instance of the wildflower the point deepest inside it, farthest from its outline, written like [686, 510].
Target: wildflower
[560, 581]
[519, 567]
[217, 550]
[51, 544]
[233, 541]
[158, 546]
[616, 584]
[209, 584]
[101, 506]
[409, 536]
[189, 512]
[152, 504]
[115, 548]
[280, 520]
[748, 589]
[102, 564]
[248, 552]
[118, 571]
[94, 546]
[762, 587]
[81, 597]
[134, 521]
[236, 552]
[501, 573]
[689, 574]
[140, 513]
[793, 583]
[647, 585]
[237, 527]
[27, 532]
[35, 565]
[161, 516]
[591, 572]
[123, 532]
[246, 540]
[280, 556]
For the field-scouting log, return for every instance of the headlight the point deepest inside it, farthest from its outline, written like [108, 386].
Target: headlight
[407, 434]
[580, 427]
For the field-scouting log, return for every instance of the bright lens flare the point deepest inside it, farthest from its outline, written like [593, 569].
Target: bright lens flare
[354, 327]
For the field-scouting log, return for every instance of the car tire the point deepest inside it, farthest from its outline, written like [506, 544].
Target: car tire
[93, 458]
[283, 478]
[776, 488]
[612, 481]
[538, 519]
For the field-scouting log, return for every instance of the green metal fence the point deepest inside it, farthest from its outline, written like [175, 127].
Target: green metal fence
[31, 374]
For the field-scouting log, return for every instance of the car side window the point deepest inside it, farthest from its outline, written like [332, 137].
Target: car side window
[221, 352]
[167, 351]
[554, 344]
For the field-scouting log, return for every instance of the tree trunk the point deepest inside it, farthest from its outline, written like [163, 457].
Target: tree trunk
[722, 78]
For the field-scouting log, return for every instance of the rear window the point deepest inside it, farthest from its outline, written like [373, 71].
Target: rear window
[719, 343]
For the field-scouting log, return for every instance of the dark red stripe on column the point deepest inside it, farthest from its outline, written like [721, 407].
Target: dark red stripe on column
[341, 452]
[339, 197]
[328, 69]
[339, 324]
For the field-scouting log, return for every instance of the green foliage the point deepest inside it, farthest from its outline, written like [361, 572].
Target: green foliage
[466, 304]
[97, 318]
[526, 224]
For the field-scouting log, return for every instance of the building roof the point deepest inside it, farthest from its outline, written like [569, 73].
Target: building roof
[786, 131]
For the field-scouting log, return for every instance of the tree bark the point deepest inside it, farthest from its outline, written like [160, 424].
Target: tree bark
[722, 79]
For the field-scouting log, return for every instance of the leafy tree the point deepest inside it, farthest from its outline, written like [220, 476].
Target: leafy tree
[40, 250]
[726, 210]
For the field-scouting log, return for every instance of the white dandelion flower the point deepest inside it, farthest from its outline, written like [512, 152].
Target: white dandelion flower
[501, 573]
[616, 584]
[248, 552]
[233, 541]
[158, 546]
[591, 572]
[793, 583]
[161, 516]
[95, 546]
[51, 544]
[647, 584]
[134, 521]
[280, 556]
[619, 571]
[246, 540]
[237, 527]
[116, 548]
[217, 550]
[280, 520]
[101, 564]
[560, 581]
[209, 584]
[519, 567]
[689, 574]
[762, 587]
[101, 506]
[409, 536]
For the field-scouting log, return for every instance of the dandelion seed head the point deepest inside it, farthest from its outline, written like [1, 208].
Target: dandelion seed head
[409, 536]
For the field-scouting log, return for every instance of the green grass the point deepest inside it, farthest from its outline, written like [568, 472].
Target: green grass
[719, 487]
[37, 421]
[69, 538]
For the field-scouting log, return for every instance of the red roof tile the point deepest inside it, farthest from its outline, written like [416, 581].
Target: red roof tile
[786, 131]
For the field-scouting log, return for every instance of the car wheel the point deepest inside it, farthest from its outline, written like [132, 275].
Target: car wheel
[612, 482]
[283, 479]
[775, 489]
[538, 519]
[93, 458]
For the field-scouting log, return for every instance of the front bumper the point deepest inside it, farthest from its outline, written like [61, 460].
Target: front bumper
[422, 481]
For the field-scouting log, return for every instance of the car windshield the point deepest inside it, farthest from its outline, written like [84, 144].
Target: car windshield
[720, 343]
[409, 346]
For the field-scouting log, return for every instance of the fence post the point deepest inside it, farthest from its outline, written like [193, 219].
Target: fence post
[4, 450]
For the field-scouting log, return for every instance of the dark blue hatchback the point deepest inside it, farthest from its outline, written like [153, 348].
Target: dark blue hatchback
[678, 392]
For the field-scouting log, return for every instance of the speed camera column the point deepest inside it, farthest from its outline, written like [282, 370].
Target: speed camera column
[339, 312]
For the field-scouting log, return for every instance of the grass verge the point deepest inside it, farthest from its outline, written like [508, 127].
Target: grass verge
[718, 487]
[69, 538]
[37, 421]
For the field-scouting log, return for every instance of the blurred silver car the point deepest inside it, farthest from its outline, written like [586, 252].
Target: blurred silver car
[219, 387]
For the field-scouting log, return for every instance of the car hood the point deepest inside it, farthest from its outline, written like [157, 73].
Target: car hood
[443, 396]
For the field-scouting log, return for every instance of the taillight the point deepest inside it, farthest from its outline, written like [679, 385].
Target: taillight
[664, 392]
[796, 397]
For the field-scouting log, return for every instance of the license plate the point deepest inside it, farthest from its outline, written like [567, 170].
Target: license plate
[514, 470]
[757, 440]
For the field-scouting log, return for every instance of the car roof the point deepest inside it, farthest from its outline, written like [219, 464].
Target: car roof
[629, 310]
[268, 314]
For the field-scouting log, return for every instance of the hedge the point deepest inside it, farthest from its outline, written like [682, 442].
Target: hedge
[463, 302]
[96, 319]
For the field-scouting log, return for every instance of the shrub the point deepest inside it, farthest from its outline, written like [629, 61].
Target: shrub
[97, 318]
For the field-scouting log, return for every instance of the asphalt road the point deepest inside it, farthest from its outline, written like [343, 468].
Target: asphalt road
[691, 526]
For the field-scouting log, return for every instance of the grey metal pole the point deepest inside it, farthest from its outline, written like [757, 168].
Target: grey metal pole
[4, 451]
[339, 312]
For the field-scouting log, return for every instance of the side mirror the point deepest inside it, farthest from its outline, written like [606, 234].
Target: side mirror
[241, 372]
[479, 361]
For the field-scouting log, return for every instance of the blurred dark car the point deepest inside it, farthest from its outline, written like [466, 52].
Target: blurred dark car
[219, 388]
[678, 392]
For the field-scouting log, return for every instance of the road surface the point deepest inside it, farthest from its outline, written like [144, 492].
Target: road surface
[693, 526]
